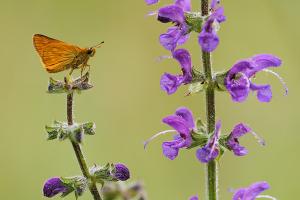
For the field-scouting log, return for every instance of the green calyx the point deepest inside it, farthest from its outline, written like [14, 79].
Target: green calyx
[104, 173]
[75, 132]
[69, 85]
[200, 84]
[220, 81]
[76, 184]
[194, 20]
[121, 190]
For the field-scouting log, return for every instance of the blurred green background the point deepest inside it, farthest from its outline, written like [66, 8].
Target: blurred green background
[127, 104]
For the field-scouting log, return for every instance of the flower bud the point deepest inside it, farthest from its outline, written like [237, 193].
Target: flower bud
[54, 186]
[121, 172]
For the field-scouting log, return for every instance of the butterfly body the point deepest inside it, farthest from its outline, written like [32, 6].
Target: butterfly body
[58, 56]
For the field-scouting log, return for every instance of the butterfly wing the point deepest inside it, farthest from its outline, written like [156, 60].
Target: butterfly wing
[56, 55]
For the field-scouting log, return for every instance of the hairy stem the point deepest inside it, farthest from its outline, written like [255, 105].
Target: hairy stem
[211, 181]
[78, 151]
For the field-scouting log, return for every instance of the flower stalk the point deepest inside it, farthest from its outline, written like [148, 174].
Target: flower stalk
[78, 151]
[211, 170]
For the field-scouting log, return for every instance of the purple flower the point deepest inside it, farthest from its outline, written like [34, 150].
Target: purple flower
[149, 2]
[121, 172]
[193, 198]
[251, 192]
[183, 123]
[238, 80]
[211, 150]
[208, 38]
[178, 34]
[169, 82]
[54, 186]
[233, 142]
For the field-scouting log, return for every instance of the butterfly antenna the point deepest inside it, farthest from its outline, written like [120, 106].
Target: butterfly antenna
[98, 45]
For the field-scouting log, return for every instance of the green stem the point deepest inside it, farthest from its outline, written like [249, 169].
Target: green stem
[211, 181]
[78, 151]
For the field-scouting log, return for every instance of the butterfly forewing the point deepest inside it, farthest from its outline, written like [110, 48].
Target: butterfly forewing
[56, 55]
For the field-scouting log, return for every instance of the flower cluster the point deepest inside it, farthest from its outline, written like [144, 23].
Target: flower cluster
[178, 13]
[237, 81]
[78, 184]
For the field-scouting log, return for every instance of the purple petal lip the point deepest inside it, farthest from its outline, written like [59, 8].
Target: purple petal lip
[170, 83]
[208, 41]
[174, 36]
[251, 192]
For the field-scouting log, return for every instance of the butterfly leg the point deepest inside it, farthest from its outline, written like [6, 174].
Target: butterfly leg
[71, 71]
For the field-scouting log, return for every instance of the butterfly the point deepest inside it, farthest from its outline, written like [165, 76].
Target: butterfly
[58, 56]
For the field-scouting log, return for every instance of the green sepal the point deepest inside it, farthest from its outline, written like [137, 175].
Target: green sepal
[195, 88]
[201, 127]
[69, 85]
[222, 150]
[54, 131]
[62, 131]
[199, 139]
[102, 173]
[198, 83]
[78, 184]
[194, 20]
[89, 128]
[119, 190]
[220, 81]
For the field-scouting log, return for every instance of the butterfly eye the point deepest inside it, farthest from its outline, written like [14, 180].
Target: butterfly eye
[91, 51]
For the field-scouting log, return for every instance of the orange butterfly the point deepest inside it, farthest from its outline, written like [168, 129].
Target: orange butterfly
[58, 56]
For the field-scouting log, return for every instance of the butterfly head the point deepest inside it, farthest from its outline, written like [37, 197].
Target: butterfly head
[91, 51]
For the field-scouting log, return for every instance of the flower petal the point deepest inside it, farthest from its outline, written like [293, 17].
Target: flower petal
[208, 41]
[211, 150]
[169, 39]
[185, 5]
[187, 115]
[214, 3]
[263, 61]
[239, 194]
[251, 192]
[264, 92]
[194, 198]
[171, 13]
[184, 58]
[207, 154]
[238, 88]
[179, 124]
[170, 83]
[255, 189]
[169, 151]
